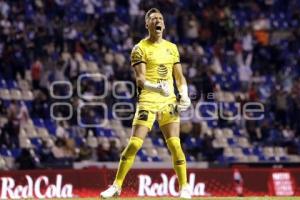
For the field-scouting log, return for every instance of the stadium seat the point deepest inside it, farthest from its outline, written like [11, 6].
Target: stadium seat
[15, 153]
[152, 152]
[243, 142]
[92, 67]
[218, 133]
[228, 152]
[190, 158]
[42, 132]
[92, 142]
[274, 69]
[162, 151]
[222, 142]
[11, 84]
[231, 141]
[3, 120]
[279, 151]
[228, 97]
[5, 152]
[190, 142]
[38, 122]
[148, 143]
[268, 152]
[31, 132]
[247, 151]
[242, 158]
[228, 133]
[166, 158]
[252, 158]
[9, 162]
[237, 151]
[156, 159]
[27, 95]
[25, 143]
[2, 163]
[15, 94]
[146, 159]
[24, 85]
[294, 158]
[5, 94]
[36, 142]
[3, 84]
[158, 142]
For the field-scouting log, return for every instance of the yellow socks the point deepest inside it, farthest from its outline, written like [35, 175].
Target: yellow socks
[135, 143]
[127, 159]
[179, 162]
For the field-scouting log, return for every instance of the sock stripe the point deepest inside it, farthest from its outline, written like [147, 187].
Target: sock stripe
[180, 162]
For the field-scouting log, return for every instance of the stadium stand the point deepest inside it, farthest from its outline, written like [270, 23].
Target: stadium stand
[240, 51]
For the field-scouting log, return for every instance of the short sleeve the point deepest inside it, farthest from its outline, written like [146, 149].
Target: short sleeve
[176, 54]
[137, 56]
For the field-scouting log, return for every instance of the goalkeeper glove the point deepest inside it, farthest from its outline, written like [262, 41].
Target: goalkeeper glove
[184, 102]
[162, 87]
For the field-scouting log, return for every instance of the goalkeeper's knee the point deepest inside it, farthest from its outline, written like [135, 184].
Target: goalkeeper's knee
[132, 148]
[176, 151]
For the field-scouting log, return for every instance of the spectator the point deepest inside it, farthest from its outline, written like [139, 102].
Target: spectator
[26, 160]
[36, 69]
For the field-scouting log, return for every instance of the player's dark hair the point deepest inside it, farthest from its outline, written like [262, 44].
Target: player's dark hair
[149, 12]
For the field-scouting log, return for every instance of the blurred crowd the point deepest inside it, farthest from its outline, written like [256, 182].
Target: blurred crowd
[249, 50]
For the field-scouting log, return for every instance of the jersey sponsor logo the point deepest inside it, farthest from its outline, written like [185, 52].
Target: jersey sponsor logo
[162, 70]
[143, 115]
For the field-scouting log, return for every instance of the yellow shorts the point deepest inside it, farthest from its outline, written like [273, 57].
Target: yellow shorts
[147, 113]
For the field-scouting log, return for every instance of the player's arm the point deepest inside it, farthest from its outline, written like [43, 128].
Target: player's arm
[184, 102]
[140, 73]
[138, 61]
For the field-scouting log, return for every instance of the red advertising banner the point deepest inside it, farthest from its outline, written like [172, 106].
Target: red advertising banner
[149, 182]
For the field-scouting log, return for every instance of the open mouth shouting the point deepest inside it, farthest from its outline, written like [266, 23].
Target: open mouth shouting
[158, 28]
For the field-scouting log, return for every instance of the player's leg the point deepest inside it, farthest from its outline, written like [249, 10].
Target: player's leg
[142, 123]
[139, 132]
[171, 134]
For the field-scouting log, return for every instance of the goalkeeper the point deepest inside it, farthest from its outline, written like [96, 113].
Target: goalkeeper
[156, 62]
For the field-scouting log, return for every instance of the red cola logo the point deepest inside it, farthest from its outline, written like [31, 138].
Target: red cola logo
[9, 190]
[167, 186]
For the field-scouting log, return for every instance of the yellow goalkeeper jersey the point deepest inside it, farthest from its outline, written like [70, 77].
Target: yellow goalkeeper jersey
[159, 59]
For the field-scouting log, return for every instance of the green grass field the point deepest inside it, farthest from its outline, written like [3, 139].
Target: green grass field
[202, 198]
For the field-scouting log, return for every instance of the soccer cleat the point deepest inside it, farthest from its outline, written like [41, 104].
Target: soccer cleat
[112, 191]
[185, 192]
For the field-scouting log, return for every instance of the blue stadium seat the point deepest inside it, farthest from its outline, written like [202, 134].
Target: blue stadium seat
[146, 158]
[11, 84]
[158, 142]
[3, 83]
[79, 141]
[39, 122]
[36, 142]
[142, 152]
[51, 126]
[156, 159]
[5, 152]
[16, 152]
[190, 142]
[231, 142]
[247, 151]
